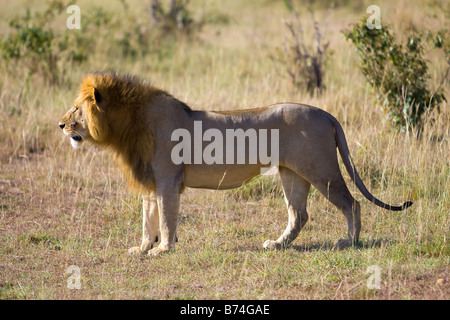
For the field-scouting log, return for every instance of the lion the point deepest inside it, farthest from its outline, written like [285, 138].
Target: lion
[136, 122]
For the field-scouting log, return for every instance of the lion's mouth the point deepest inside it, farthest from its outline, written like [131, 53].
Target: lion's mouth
[75, 141]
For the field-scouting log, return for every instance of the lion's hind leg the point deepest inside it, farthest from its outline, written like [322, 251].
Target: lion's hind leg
[337, 193]
[295, 194]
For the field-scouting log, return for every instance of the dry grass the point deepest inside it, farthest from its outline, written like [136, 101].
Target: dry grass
[61, 207]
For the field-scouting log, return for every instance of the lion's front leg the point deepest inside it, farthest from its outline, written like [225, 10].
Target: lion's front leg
[169, 206]
[150, 221]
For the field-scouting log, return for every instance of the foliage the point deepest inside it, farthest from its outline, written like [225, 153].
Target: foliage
[176, 17]
[303, 63]
[398, 72]
[35, 44]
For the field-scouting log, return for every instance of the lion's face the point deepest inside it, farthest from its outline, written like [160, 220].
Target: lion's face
[87, 119]
[74, 125]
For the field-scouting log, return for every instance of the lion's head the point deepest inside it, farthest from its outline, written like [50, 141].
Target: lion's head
[109, 112]
[93, 111]
[74, 126]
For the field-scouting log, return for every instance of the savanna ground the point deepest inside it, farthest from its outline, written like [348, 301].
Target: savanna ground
[62, 207]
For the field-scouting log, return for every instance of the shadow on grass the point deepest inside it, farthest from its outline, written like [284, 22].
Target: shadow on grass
[330, 246]
[324, 246]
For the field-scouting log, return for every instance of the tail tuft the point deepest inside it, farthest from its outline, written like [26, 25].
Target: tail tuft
[406, 205]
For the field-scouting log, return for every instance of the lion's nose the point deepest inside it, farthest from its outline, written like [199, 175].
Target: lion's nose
[62, 125]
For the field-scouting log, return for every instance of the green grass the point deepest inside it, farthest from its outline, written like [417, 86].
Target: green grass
[62, 207]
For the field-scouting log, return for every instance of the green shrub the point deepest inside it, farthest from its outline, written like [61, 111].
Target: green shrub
[50, 50]
[34, 44]
[398, 73]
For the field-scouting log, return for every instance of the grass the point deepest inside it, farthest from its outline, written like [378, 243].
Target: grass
[62, 207]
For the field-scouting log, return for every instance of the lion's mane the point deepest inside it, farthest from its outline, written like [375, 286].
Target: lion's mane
[118, 120]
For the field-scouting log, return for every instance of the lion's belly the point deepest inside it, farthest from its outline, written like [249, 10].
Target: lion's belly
[219, 177]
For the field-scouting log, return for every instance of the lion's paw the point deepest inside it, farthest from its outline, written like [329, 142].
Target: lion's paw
[135, 251]
[272, 245]
[156, 252]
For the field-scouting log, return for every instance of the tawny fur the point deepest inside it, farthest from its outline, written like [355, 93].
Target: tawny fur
[135, 121]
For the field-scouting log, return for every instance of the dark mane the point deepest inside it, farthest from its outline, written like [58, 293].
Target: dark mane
[129, 88]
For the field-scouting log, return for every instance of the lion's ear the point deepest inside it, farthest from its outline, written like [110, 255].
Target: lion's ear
[97, 97]
[98, 100]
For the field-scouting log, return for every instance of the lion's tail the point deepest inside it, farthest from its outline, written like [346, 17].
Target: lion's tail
[347, 160]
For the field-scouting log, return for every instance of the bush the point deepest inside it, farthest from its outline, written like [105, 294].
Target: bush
[34, 44]
[50, 50]
[176, 17]
[398, 73]
[303, 62]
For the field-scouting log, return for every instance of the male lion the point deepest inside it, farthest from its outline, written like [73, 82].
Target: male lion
[136, 122]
